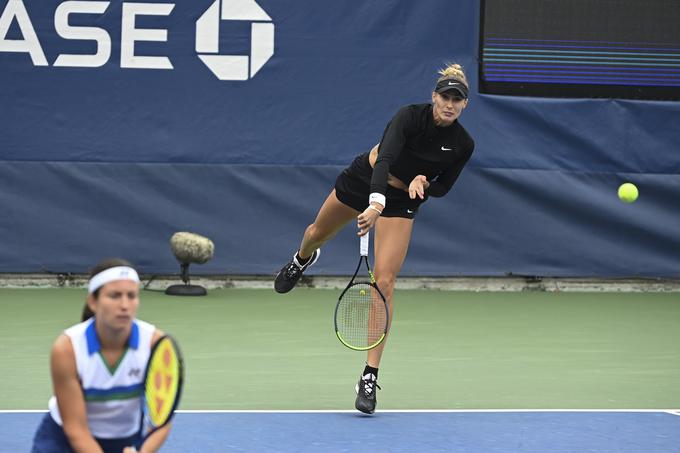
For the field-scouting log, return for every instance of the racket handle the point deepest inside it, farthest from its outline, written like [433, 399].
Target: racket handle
[363, 245]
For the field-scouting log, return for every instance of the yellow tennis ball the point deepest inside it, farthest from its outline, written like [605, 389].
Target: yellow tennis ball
[362, 292]
[628, 192]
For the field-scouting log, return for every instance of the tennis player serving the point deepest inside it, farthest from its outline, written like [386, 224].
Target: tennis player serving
[421, 154]
[98, 369]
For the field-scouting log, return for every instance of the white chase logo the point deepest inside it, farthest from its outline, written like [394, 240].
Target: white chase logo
[225, 67]
[235, 67]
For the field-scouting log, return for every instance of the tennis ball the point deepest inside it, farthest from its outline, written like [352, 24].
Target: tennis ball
[628, 192]
[362, 292]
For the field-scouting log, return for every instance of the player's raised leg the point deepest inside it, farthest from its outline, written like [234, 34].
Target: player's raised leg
[392, 237]
[332, 216]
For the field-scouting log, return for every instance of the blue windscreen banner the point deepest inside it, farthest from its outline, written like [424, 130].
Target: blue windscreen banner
[123, 122]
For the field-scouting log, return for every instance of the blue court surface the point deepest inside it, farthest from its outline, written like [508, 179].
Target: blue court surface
[484, 431]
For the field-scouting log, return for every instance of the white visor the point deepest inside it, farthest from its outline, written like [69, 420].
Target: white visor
[112, 274]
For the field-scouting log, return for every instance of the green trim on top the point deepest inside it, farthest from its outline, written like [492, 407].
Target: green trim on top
[115, 396]
[113, 369]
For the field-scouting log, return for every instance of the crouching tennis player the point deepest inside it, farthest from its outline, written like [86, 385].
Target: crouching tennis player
[97, 370]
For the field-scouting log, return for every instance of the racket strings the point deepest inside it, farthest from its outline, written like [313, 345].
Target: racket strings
[361, 317]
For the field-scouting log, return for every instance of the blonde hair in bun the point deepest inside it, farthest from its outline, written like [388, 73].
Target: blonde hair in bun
[453, 71]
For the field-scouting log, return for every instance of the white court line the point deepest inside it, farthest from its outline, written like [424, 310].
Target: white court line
[23, 411]
[352, 411]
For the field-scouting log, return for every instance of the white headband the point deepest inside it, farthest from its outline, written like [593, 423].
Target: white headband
[112, 274]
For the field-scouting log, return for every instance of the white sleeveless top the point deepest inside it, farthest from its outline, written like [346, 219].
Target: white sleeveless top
[112, 396]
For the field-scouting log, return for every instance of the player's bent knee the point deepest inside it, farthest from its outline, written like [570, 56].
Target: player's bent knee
[317, 235]
[386, 285]
[312, 233]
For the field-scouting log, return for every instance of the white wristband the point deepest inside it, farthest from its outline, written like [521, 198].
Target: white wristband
[378, 198]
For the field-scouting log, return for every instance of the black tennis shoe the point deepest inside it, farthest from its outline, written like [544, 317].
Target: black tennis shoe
[290, 274]
[366, 389]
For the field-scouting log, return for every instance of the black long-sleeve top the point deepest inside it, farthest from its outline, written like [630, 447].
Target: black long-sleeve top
[413, 145]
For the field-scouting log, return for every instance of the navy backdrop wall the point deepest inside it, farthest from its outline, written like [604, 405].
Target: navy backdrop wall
[123, 122]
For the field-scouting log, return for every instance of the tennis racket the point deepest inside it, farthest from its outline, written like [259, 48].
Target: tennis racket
[361, 315]
[162, 385]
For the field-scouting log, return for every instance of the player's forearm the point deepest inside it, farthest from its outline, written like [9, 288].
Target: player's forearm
[81, 440]
[379, 177]
[438, 189]
[441, 186]
[155, 440]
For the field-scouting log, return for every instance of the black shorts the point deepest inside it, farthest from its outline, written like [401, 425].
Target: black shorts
[352, 187]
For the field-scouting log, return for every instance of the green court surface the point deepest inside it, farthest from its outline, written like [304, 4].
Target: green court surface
[254, 349]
